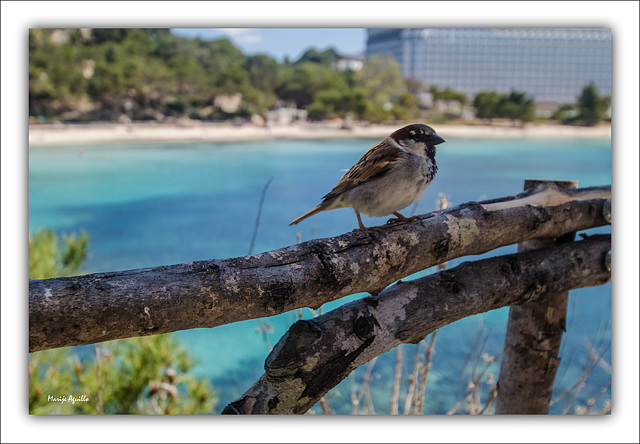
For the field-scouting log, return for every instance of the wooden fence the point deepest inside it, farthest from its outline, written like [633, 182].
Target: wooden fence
[315, 355]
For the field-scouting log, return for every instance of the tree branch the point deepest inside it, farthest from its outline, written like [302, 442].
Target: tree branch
[315, 355]
[105, 306]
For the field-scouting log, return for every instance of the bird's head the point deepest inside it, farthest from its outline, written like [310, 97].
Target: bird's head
[417, 139]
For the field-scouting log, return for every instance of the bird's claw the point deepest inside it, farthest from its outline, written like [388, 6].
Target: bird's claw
[396, 220]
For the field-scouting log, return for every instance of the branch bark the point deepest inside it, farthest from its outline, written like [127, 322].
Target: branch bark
[105, 306]
[315, 355]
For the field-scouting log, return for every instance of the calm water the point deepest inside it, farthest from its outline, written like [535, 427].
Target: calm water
[155, 204]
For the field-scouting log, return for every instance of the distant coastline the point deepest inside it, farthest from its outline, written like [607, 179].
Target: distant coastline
[193, 131]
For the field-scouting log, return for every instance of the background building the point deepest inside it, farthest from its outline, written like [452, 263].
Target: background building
[550, 64]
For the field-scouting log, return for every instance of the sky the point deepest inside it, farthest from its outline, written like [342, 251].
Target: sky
[284, 42]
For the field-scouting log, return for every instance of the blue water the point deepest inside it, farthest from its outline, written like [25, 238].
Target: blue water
[165, 203]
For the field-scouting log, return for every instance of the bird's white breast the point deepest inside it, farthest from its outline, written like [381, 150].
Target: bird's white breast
[403, 185]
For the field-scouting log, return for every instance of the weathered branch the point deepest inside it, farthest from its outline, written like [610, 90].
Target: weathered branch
[315, 355]
[105, 306]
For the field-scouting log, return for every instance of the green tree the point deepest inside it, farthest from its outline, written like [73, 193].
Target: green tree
[381, 80]
[527, 104]
[514, 106]
[301, 82]
[448, 95]
[101, 35]
[592, 106]
[47, 258]
[486, 105]
[265, 74]
[326, 57]
[332, 103]
[131, 376]
[405, 108]
[566, 113]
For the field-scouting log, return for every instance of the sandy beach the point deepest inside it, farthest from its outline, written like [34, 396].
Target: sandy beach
[192, 131]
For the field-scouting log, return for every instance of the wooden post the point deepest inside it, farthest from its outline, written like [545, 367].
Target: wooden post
[534, 332]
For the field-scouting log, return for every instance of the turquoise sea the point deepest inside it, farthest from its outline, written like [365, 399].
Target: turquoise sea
[152, 204]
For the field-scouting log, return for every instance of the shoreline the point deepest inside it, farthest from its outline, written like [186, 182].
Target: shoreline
[195, 131]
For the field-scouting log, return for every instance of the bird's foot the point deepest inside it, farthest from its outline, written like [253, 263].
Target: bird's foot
[401, 219]
[361, 226]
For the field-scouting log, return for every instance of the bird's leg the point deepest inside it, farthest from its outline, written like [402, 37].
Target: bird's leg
[362, 227]
[400, 218]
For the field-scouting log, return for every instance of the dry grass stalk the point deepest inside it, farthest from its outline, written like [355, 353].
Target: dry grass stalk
[592, 402]
[413, 380]
[395, 395]
[473, 394]
[579, 385]
[356, 398]
[595, 355]
[264, 329]
[326, 410]
[424, 373]
[257, 224]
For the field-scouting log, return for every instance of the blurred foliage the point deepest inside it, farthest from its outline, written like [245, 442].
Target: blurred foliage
[138, 375]
[88, 74]
[131, 376]
[47, 258]
[448, 95]
[486, 105]
[381, 79]
[104, 74]
[515, 106]
[144, 74]
[592, 107]
[325, 57]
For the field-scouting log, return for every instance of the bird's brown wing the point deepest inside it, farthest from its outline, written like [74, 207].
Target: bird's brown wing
[373, 164]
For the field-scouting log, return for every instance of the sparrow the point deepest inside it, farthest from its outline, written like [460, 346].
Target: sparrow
[389, 177]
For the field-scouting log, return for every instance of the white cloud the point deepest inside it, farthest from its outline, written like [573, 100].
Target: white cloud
[245, 36]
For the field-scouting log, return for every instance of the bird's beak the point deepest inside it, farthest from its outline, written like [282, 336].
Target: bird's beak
[436, 140]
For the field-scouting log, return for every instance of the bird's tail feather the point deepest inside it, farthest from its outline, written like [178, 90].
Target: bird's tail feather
[319, 208]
